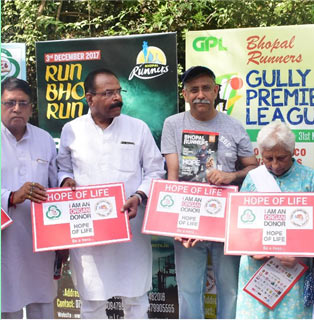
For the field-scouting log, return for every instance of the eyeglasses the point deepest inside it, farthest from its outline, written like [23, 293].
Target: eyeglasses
[197, 89]
[110, 93]
[12, 103]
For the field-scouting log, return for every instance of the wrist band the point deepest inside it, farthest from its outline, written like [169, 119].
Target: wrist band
[138, 196]
[11, 199]
[143, 195]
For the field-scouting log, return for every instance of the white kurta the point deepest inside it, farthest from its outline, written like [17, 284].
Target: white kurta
[123, 152]
[27, 277]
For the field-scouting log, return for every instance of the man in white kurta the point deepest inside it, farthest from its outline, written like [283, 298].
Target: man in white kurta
[105, 146]
[28, 167]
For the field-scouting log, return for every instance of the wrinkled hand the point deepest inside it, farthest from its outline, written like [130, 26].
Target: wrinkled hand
[218, 177]
[69, 183]
[287, 261]
[187, 242]
[63, 254]
[30, 190]
[131, 207]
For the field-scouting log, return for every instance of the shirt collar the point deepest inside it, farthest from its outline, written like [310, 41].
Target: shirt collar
[7, 132]
[89, 115]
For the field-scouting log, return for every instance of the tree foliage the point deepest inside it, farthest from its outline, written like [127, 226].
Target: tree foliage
[33, 20]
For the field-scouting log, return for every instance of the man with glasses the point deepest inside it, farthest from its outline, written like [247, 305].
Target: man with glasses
[28, 167]
[105, 146]
[191, 256]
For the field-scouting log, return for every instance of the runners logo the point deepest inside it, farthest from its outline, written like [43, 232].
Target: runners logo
[151, 62]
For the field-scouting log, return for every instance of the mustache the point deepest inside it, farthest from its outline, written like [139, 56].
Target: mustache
[117, 104]
[201, 101]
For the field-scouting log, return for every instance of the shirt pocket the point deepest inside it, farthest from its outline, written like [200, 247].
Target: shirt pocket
[125, 157]
[40, 168]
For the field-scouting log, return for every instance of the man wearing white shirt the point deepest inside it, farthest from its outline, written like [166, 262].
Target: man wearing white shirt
[105, 146]
[28, 167]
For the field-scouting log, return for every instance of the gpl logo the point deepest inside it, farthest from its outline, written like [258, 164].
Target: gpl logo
[205, 43]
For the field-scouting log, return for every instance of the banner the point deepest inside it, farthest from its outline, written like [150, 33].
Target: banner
[270, 224]
[264, 74]
[146, 66]
[88, 216]
[192, 210]
[13, 60]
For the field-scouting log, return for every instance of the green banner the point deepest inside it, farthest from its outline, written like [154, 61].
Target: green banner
[146, 66]
[264, 74]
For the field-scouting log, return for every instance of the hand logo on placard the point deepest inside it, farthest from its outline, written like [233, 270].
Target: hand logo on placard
[53, 212]
[167, 201]
[248, 216]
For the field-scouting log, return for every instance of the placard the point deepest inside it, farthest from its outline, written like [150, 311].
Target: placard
[186, 209]
[5, 219]
[270, 223]
[272, 281]
[87, 216]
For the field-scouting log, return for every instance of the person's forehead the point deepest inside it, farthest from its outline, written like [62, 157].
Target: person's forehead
[14, 94]
[276, 150]
[200, 79]
[106, 80]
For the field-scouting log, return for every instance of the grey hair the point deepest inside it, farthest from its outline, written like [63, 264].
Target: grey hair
[276, 133]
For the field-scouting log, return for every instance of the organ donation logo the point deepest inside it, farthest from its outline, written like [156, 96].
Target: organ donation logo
[248, 216]
[53, 212]
[9, 66]
[167, 201]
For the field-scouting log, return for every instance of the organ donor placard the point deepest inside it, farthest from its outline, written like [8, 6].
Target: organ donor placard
[186, 209]
[88, 216]
[270, 223]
